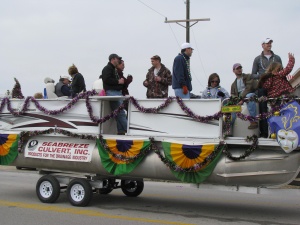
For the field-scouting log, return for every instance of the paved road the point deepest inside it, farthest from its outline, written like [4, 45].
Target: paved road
[160, 203]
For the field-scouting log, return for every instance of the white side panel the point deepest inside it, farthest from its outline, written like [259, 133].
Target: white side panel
[173, 121]
[76, 119]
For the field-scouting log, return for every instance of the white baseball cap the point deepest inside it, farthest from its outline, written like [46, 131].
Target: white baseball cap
[267, 40]
[186, 45]
[65, 77]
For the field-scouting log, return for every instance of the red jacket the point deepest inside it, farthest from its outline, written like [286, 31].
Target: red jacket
[278, 85]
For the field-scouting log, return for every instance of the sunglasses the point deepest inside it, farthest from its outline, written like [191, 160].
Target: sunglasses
[214, 81]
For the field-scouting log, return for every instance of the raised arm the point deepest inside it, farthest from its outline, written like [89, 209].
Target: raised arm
[286, 71]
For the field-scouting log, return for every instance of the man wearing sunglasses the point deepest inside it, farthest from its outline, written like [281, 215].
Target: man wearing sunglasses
[244, 86]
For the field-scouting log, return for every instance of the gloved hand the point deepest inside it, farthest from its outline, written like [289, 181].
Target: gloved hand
[129, 78]
[221, 94]
[185, 90]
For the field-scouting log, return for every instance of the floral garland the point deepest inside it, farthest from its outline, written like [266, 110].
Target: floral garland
[122, 157]
[190, 113]
[113, 114]
[95, 119]
[41, 108]
[254, 145]
[273, 101]
[227, 124]
[151, 110]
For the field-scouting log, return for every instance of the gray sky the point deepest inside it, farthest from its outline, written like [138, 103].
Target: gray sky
[42, 38]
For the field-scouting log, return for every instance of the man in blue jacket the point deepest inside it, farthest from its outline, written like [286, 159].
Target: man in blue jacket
[181, 77]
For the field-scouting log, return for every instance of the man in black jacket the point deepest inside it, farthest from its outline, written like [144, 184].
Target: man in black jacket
[113, 86]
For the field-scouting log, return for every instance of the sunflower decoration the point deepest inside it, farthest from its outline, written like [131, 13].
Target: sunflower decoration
[8, 148]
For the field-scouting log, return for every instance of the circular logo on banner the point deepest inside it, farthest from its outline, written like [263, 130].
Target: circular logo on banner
[32, 145]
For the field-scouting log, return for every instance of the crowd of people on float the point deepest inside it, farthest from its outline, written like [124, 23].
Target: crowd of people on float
[268, 78]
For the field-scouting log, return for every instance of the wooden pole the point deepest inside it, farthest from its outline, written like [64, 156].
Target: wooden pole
[187, 21]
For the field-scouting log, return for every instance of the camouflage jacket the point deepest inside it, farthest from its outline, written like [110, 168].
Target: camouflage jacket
[158, 89]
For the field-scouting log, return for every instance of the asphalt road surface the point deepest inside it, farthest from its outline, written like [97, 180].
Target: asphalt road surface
[160, 203]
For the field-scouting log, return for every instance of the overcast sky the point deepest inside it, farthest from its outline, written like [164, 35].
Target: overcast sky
[42, 38]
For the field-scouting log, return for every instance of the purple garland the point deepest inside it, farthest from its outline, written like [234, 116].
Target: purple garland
[151, 110]
[113, 114]
[190, 113]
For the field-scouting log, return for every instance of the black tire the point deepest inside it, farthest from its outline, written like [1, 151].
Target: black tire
[79, 192]
[48, 189]
[108, 185]
[132, 188]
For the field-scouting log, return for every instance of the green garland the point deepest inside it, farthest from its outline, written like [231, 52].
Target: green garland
[253, 147]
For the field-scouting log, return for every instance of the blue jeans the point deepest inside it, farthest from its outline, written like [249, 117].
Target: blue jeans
[179, 93]
[251, 106]
[121, 117]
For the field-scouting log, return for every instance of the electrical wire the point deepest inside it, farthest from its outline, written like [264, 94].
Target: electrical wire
[164, 17]
[174, 36]
[198, 52]
[151, 8]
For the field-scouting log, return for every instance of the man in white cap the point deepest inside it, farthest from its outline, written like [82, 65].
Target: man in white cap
[267, 56]
[62, 88]
[181, 77]
[259, 67]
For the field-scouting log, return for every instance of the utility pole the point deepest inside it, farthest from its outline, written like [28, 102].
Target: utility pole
[187, 21]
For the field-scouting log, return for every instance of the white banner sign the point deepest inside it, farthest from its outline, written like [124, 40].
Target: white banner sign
[75, 150]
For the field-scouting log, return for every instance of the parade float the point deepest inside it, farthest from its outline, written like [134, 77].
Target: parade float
[74, 146]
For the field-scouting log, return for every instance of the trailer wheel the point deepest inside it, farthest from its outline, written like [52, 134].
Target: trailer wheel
[132, 188]
[48, 189]
[79, 192]
[108, 186]
[105, 191]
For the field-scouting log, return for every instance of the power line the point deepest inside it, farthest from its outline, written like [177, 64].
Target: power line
[151, 8]
[174, 36]
[198, 52]
[164, 17]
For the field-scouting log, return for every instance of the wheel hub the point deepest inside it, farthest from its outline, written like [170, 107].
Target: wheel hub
[46, 189]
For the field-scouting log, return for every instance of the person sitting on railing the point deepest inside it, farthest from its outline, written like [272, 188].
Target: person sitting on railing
[62, 87]
[244, 86]
[275, 81]
[214, 90]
